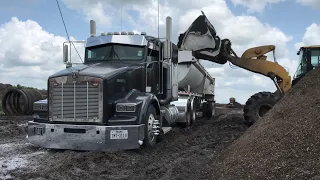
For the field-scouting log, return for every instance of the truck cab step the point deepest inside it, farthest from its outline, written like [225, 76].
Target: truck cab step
[166, 129]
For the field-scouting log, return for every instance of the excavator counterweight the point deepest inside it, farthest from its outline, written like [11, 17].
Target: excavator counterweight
[201, 38]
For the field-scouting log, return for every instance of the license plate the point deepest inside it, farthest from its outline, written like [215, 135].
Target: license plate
[38, 130]
[119, 134]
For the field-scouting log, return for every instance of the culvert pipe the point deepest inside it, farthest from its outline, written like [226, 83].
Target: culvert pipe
[19, 102]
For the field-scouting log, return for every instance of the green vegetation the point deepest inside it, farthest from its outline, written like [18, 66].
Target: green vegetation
[18, 86]
[1, 112]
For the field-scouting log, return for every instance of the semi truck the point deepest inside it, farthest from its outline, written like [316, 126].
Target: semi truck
[129, 92]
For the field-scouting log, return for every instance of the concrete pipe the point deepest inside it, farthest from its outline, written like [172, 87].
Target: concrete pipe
[19, 102]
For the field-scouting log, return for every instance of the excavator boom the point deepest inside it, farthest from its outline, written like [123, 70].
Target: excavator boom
[201, 38]
[261, 66]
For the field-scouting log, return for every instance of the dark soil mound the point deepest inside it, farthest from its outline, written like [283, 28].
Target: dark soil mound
[13, 126]
[285, 144]
[184, 154]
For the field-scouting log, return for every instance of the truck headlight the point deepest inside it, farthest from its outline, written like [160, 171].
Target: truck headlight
[126, 107]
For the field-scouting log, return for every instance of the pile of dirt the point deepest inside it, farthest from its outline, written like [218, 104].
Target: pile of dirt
[12, 130]
[183, 154]
[285, 144]
[12, 127]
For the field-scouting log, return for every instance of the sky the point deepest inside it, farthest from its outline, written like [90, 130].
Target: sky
[32, 34]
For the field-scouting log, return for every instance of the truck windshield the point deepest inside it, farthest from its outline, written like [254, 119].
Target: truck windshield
[114, 52]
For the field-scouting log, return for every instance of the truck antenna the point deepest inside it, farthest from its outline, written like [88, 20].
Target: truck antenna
[67, 31]
[158, 20]
[121, 14]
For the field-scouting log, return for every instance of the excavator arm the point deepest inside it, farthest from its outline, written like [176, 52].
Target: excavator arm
[255, 61]
[201, 38]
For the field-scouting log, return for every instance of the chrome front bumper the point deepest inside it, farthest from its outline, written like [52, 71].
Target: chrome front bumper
[85, 137]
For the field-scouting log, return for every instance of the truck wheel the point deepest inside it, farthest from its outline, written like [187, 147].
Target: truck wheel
[211, 110]
[188, 116]
[204, 109]
[193, 110]
[258, 105]
[150, 139]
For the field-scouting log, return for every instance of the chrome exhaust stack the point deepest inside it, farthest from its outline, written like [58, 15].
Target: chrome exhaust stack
[92, 28]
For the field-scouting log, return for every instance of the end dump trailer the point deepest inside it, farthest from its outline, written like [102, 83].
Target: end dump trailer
[129, 92]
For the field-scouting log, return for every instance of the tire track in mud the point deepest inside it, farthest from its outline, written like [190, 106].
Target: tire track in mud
[183, 154]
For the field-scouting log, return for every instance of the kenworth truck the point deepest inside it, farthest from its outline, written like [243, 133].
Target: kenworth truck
[129, 92]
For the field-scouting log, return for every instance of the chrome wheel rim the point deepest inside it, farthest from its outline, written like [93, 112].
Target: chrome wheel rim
[150, 124]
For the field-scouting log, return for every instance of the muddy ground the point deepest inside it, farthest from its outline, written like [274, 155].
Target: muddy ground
[184, 154]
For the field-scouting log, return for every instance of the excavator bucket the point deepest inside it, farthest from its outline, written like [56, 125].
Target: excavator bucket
[202, 39]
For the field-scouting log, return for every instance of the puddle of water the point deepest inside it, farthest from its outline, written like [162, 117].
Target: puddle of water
[14, 162]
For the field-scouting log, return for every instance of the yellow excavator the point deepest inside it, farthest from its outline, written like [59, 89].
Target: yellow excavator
[201, 38]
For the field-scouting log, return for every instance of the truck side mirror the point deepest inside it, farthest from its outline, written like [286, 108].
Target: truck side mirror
[65, 53]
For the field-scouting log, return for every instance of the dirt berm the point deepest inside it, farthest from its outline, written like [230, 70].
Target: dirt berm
[285, 144]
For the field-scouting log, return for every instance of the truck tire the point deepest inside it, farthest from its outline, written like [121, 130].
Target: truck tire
[193, 112]
[188, 116]
[258, 105]
[211, 110]
[150, 139]
[208, 109]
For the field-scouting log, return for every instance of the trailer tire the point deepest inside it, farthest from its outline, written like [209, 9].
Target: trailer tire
[193, 111]
[211, 110]
[188, 116]
[204, 109]
[150, 139]
[258, 105]
[208, 109]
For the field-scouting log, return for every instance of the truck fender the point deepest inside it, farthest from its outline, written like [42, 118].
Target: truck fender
[149, 100]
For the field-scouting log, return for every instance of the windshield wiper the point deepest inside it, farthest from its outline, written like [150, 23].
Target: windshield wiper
[107, 57]
[117, 55]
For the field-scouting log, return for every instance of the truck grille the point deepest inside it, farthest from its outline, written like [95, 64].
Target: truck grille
[75, 102]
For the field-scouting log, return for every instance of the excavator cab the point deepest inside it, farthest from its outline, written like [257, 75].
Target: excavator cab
[309, 59]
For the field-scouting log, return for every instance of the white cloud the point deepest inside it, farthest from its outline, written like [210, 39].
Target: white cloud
[41, 51]
[310, 37]
[255, 5]
[260, 5]
[244, 32]
[315, 3]
[28, 54]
